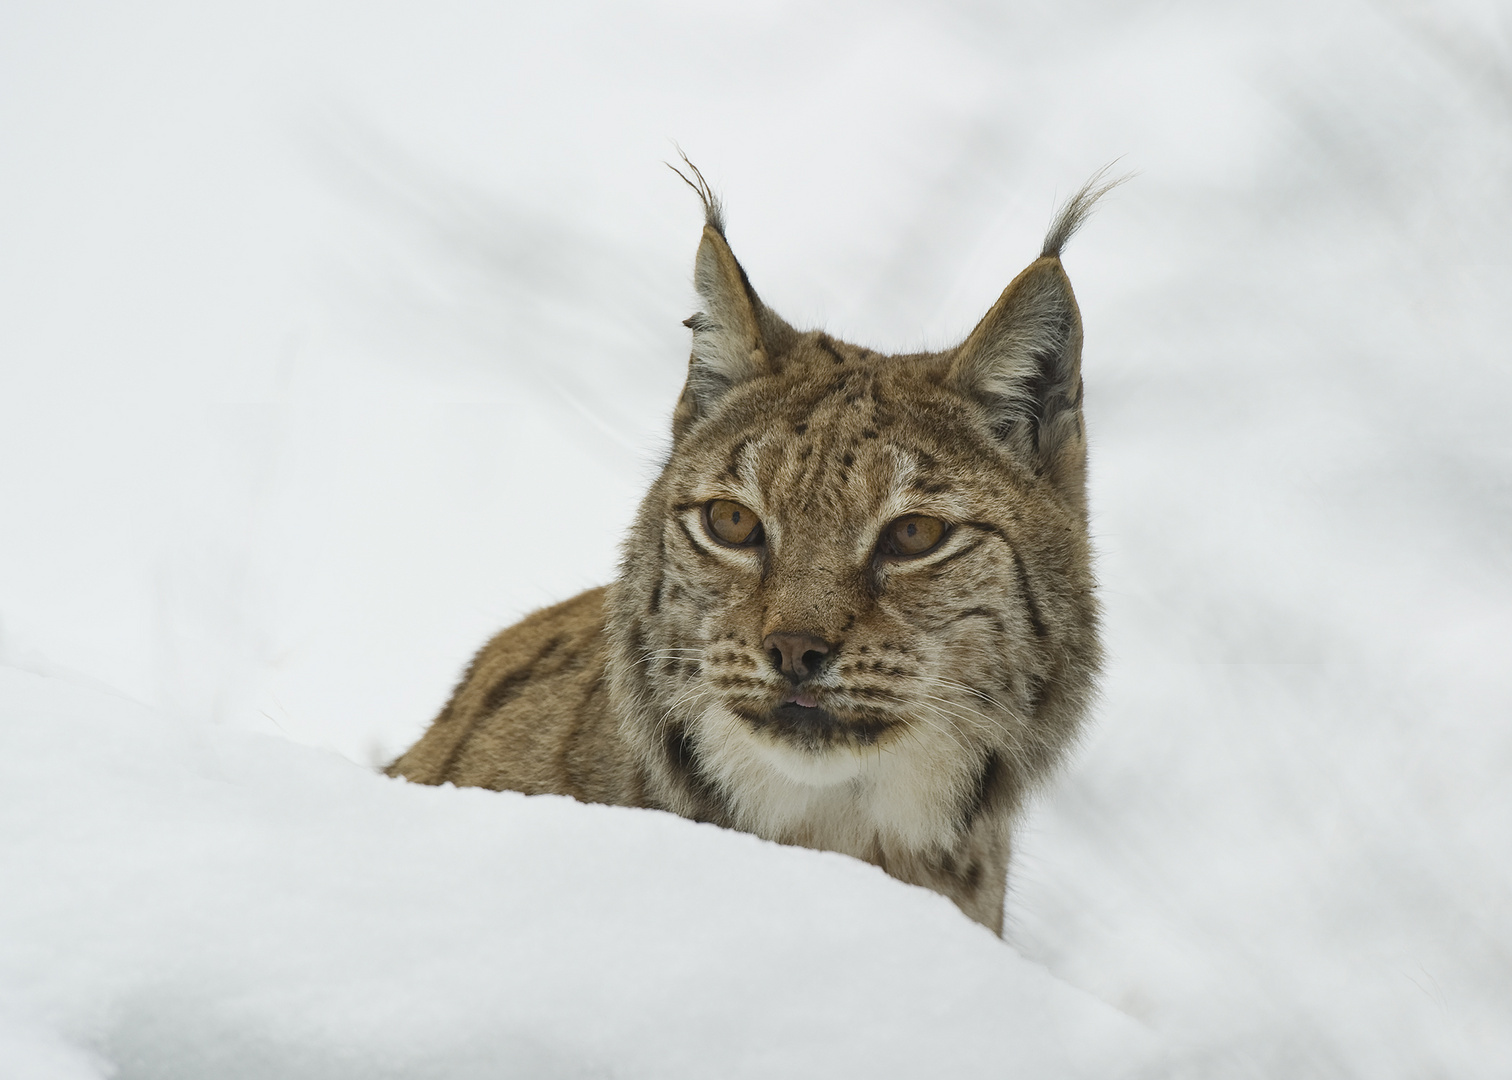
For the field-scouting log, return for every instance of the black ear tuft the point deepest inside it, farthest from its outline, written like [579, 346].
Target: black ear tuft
[1078, 209]
[713, 208]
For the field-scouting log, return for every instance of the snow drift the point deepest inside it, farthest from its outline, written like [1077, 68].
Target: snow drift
[192, 902]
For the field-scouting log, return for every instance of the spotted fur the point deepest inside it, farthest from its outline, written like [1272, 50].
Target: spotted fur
[954, 682]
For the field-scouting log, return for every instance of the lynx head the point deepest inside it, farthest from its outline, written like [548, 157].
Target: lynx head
[863, 575]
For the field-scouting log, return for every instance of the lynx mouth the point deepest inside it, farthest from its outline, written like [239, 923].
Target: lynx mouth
[801, 720]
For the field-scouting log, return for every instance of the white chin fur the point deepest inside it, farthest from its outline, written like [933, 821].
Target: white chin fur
[822, 768]
[848, 799]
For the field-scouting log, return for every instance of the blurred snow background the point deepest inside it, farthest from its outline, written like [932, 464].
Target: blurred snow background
[336, 336]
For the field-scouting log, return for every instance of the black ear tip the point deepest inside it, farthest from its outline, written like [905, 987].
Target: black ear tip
[713, 206]
[1073, 215]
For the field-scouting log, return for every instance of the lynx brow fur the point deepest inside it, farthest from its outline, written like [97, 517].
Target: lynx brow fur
[808, 680]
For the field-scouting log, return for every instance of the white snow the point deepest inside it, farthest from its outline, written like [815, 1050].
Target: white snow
[205, 902]
[335, 337]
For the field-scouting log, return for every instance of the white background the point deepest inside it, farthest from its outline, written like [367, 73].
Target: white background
[334, 337]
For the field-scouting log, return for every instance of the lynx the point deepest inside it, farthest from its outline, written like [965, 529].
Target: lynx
[855, 611]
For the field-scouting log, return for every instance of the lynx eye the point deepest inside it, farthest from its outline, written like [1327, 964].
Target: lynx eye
[912, 535]
[731, 523]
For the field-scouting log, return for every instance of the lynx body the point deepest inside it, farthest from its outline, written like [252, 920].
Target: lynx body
[855, 611]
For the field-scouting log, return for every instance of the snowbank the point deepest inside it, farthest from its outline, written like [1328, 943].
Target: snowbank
[188, 901]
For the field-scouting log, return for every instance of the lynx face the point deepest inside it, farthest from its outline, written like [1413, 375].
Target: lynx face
[856, 609]
[828, 640]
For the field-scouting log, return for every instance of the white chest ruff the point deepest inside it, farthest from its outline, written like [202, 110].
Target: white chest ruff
[899, 795]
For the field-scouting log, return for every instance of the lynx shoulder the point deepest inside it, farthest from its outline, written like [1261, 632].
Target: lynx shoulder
[855, 611]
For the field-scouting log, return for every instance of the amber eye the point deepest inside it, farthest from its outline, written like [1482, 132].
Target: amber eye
[731, 523]
[912, 535]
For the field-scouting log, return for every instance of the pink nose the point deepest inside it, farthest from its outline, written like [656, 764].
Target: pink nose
[798, 656]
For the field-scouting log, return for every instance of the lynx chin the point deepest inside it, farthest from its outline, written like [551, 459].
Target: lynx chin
[855, 611]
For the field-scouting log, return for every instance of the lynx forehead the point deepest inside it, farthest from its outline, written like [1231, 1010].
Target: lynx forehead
[855, 610]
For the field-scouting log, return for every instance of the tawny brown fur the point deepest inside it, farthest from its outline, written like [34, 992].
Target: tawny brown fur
[953, 682]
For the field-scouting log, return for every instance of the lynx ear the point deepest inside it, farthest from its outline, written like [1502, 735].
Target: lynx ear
[1023, 360]
[735, 336]
[1023, 363]
[727, 346]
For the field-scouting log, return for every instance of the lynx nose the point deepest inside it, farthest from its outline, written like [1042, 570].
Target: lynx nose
[798, 656]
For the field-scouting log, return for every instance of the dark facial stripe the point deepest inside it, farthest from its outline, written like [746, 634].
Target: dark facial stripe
[703, 552]
[661, 572]
[1038, 691]
[972, 878]
[991, 616]
[1035, 619]
[687, 768]
[983, 793]
[954, 555]
[732, 470]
